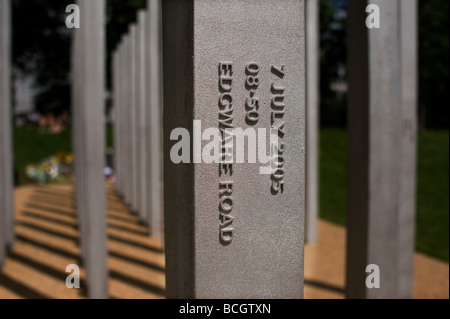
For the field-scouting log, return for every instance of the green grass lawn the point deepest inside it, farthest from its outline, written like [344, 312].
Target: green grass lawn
[432, 184]
[432, 195]
[432, 227]
[31, 146]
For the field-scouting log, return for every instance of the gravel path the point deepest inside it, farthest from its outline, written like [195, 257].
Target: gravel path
[47, 241]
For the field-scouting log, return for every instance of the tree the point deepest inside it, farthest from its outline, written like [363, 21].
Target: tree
[433, 64]
[333, 54]
[41, 45]
[120, 14]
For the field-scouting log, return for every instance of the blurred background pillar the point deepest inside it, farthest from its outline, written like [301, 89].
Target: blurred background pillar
[92, 146]
[312, 119]
[6, 149]
[381, 146]
[154, 98]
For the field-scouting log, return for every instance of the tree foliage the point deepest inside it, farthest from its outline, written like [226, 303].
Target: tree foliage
[433, 63]
[41, 47]
[333, 54]
[41, 44]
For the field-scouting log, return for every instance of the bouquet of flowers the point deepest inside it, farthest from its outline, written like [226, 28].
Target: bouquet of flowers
[53, 169]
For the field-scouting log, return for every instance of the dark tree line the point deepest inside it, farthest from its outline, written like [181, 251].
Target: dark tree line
[433, 63]
[433, 45]
[41, 47]
[333, 54]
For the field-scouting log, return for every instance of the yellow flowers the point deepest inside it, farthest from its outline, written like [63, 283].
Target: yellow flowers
[65, 157]
[56, 168]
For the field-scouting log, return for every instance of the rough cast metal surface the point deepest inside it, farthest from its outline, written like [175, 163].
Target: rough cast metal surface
[141, 117]
[131, 118]
[116, 112]
[134, 121]
[312, 120]
[379, 216]
[77, 137]
[118, 126]
[117, 118]
[122, 123]
[117, 72]
[92, 105]
[408, 144]
[119, 143]
[80, 133]
[265, 255]
[154, 93]
[122, 119]
[6, 162]
[128, 80]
